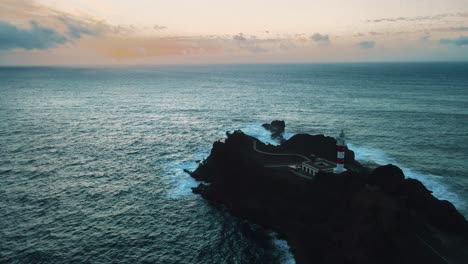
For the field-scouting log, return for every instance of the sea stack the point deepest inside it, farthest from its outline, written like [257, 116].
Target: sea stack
[276, 128]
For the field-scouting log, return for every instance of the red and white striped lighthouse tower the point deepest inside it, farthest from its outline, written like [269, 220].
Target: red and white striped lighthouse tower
[340, 149]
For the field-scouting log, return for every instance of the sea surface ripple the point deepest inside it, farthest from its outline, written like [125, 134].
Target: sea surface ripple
[91, 159]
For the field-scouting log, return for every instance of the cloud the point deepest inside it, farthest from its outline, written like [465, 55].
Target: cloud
[42, 37]
[367, 44]
[76, 28]
[320, 38]
[459, 28]
[159, 27]
[72, 26]
[239, 37]
[419, 18]
[36, 37]
[122, 48]
[251, 44]
[459, 42]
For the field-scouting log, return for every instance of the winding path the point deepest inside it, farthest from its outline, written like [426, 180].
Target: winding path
[277, 154]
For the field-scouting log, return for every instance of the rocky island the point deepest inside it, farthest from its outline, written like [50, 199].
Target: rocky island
[360, 216]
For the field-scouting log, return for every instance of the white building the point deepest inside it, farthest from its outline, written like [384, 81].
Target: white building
[317, 164]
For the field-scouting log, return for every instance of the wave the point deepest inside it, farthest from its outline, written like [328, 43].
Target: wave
[180, 181]
[439, 185]
[282, 250]
[259, 132]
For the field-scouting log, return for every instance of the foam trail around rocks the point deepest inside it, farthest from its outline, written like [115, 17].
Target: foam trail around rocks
[181, 182]
[259, 132]
[283, 252]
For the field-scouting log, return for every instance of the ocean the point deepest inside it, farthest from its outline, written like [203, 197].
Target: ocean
[92, 159]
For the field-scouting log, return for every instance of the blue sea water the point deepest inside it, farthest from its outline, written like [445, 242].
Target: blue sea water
[91, 159]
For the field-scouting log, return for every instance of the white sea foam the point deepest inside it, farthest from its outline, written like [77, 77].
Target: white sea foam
[283, 252]
[439, 185]
[259, 132]
[181, 182]
[368, 154]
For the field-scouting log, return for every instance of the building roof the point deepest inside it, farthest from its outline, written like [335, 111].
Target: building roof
[320, 164]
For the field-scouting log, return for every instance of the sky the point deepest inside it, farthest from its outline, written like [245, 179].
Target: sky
[121, 32]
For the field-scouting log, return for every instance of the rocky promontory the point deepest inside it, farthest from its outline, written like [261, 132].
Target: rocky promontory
[358, 216]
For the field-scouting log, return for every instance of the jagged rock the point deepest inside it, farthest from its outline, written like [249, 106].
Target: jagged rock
[276, 128]
[352, 217]
[388, 177]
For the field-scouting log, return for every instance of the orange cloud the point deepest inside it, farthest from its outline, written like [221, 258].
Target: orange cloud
[139, 47]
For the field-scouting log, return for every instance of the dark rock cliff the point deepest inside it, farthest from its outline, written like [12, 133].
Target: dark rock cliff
[359, 216]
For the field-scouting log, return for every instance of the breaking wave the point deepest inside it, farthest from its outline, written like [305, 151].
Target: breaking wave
[282, 251]
[180, 181]
[257, 131]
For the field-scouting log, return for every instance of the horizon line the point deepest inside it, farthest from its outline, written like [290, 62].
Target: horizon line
[217, 63]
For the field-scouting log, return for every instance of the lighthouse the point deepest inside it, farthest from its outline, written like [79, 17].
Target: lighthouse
[340, 149]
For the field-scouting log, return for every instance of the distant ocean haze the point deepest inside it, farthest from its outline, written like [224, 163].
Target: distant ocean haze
[91, 159]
